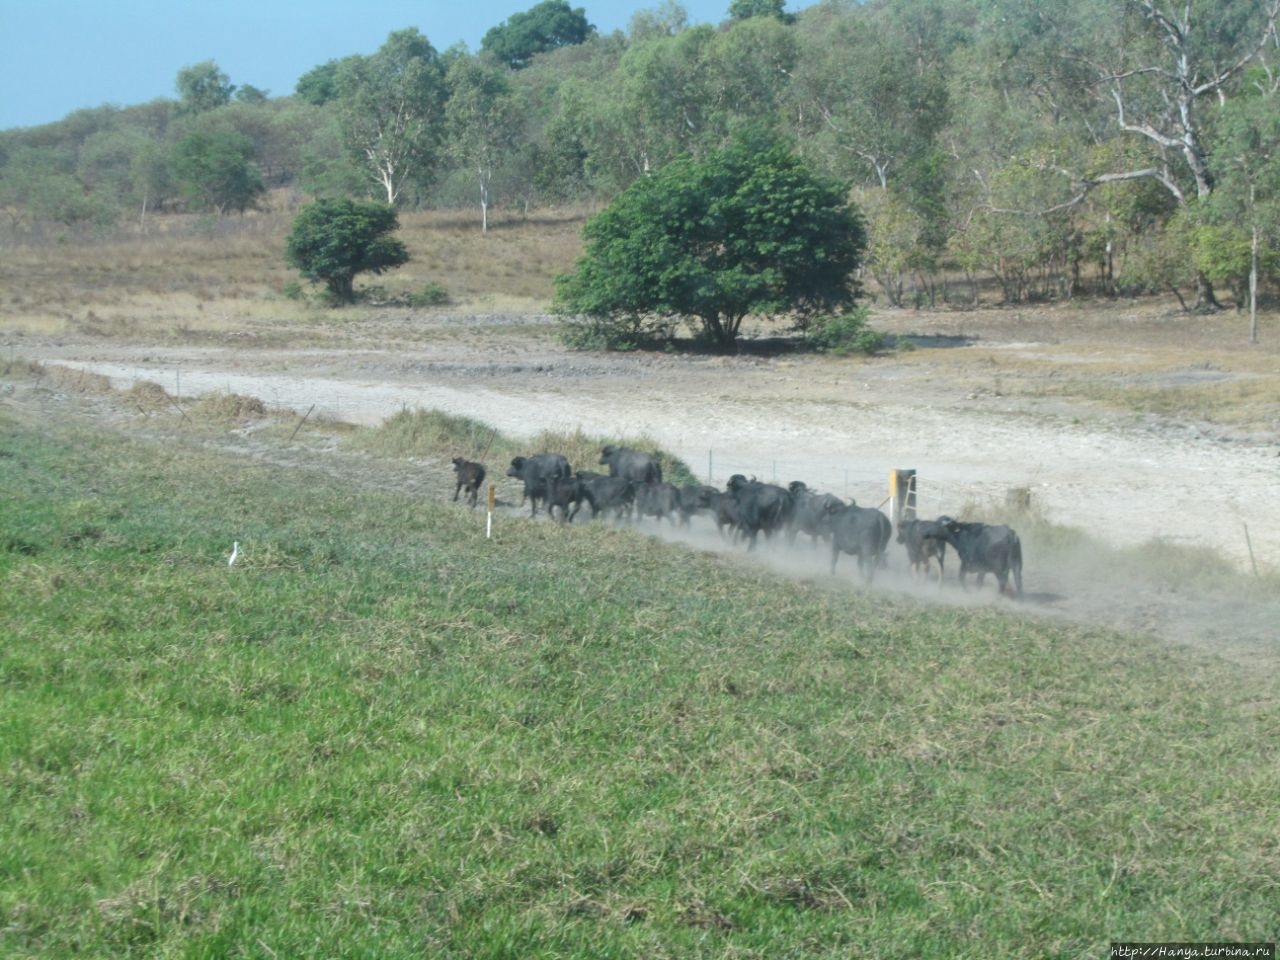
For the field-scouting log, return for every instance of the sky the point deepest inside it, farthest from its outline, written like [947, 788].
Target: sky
[57, 56]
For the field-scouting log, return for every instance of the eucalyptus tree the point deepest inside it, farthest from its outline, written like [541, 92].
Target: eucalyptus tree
[320, 84]
[1240, 243]
[868, 116]
[38, 184]
[574, 140]
[665, 20]
[202, 87]
[124, 167]
[1182, 61]
[752, 9]
[664, 98]
[392, 108]
[749, 70]
[248, 93]
[214, 168]
[481, 123]
[1160, 69]
[874, 119]
[326, 165]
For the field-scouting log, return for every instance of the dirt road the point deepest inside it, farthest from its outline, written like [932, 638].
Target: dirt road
[838, 424]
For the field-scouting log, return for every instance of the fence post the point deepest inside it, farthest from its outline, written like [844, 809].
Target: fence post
[902, 496]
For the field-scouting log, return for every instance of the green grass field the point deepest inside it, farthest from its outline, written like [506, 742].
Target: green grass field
[380, 735]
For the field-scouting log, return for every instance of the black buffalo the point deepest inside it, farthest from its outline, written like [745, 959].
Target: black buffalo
[693, 498]
[723, 509]
[633, 465]
[762, 507]
[811, 512]
[536, 473]
[863, 532]
[607, 495]
[657, 500]
[470, 476]
[924, 540]
[563, 493]
[986, 548]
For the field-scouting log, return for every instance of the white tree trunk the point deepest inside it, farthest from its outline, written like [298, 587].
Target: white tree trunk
[1253, 283]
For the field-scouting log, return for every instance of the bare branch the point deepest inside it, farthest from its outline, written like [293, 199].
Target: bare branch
[1086, 186]
[1267, 32]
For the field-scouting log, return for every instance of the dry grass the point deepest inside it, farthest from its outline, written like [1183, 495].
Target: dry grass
[229, 408]
[70, 380]
[1141, 358]
[148, 396]
[185, 282]
[514, 263]
[188, 281]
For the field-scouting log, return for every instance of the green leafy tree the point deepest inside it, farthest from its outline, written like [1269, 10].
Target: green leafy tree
[248, 93]
[481, 123]
[558, 101]
[1158, 69]
[1239, 243]
[870, 116]
[104, 163]
[215, 170]
[39, 184]
[747, 230]
[319, 85]
[747, 9]
[326, 166]
[392, 107]
[665, 20]
[749, 67]
[203, 87]
[894, 247]
[332, 241]
[547, 26]
[660, 101]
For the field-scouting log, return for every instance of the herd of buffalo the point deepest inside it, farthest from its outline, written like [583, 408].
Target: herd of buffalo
[634, 488]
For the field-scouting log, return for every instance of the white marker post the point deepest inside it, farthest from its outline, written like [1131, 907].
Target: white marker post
[488, 524]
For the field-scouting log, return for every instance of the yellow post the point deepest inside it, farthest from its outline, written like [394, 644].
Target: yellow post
[902, 496]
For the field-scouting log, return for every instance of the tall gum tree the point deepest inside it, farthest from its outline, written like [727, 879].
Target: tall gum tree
[481, 121]
[393, 109]
[1169, 66]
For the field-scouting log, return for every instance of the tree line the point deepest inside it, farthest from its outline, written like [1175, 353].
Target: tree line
[1052, 147]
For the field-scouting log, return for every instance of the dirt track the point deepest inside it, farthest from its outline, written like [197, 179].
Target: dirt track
[962, 409]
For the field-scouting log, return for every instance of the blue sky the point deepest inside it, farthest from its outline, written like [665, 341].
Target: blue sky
[57, 56]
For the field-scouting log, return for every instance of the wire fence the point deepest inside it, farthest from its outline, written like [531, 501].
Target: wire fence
[933, 497]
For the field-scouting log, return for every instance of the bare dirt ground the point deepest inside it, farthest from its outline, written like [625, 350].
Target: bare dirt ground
[1072, 405]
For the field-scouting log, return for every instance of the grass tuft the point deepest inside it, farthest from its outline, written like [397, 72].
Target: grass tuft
[228, 408]
[71, 380]
[421, 433]
[148, 396]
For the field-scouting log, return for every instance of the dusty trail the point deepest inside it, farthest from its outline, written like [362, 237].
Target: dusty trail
[839, 425]
[1125, 487]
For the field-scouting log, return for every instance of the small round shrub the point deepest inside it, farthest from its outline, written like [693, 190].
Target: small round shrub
[431, 295]
[845, 334]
